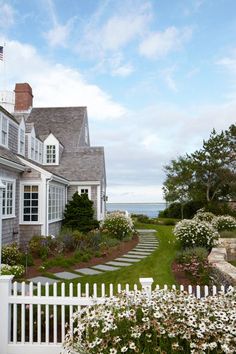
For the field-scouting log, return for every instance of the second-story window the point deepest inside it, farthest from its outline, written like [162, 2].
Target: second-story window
[4, 131]
[32, 148]
[51, 154]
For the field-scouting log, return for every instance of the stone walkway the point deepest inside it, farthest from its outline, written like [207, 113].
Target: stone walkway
[147, 244]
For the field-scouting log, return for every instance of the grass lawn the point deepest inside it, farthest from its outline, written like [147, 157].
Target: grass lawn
[157, 265]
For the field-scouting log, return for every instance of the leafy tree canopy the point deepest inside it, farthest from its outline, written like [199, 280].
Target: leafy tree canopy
[208, 174]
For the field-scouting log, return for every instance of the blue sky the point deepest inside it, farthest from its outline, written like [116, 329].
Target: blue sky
[156, 75]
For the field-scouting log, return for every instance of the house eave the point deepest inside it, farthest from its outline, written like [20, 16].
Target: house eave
[11, 164]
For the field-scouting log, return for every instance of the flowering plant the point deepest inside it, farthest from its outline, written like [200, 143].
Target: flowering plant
[192, 233]
[202, 215]
[16, 270]
[167, 322]
[224, 222]
[11, 254]
[119, 225]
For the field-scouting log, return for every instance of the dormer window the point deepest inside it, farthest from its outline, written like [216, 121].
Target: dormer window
[51, 150]
[4, 131]
[51, 154]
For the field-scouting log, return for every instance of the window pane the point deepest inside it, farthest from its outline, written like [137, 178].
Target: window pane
[30, 211]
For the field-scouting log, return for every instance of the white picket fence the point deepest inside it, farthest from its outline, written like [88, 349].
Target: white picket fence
[34, 321]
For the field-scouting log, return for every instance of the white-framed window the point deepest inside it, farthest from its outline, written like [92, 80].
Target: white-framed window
[32, 145]
[85, 190]
[36, 150]
[56, 202]
[30, 211]
[41, 152]
[86, 135]
[4, 130]
[51, 154]
[8, 199]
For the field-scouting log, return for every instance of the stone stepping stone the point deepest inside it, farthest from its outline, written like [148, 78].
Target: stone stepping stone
[137, 256]
[140, 253]
[148, 243]
[67, 275]
[119, 264]
[44, 280]
[146, 231]
[88, 271]
[142, 249]
[124, 259]
[105, 267]
[146, 247]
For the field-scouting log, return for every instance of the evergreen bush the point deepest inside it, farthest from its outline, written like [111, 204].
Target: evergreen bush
[79, 214]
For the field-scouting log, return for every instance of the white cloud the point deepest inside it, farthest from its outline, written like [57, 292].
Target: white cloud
[59, 34]
[115, 32]
[169, 79]
[7, 15]
[58, 85]
[160, 44]
[123, 70]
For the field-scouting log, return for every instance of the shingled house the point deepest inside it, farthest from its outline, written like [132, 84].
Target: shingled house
[45, 157]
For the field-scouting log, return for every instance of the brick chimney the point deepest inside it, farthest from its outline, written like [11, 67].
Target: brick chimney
[23, 97]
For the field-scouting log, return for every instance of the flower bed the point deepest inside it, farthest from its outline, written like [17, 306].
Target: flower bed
[168, 322]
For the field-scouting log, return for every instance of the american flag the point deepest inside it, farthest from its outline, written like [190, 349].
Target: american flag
[1, 52]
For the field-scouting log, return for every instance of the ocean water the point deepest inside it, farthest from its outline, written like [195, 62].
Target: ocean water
[149, 209]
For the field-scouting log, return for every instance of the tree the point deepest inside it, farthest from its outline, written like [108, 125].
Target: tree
[207, 175]
[79, 213]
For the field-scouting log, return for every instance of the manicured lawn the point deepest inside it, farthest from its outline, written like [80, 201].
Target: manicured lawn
[157, 265]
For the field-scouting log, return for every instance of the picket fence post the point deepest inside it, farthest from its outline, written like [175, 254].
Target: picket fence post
[147, 285]
[5, 314]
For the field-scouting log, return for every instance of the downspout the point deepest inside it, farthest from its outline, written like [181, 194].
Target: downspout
[48, 180]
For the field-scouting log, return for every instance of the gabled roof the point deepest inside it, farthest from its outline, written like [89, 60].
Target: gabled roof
[64, 122]
[3, 110]
[84, 164]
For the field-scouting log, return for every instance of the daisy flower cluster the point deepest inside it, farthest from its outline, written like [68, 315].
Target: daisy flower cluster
[119, 225]
[224, 222]
[166, 322]
[192, 233]
[202, 215]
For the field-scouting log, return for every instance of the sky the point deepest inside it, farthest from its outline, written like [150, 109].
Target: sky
[156, 76]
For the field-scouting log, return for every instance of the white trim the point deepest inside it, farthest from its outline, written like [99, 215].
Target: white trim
[40, 204]
[35, 167]
[51, 140]
[13, 181]
[21, 128]
[98, 203]
[84, 183]
[2, 115]
[11, 164]
[85, 187]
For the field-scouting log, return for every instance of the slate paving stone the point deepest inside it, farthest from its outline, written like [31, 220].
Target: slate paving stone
[119, 264]
[146, 231]
[67, 275]
[140, 253]
[105, 267]
[88, 271]
[137, 256]
[124, 259]
[43, 280]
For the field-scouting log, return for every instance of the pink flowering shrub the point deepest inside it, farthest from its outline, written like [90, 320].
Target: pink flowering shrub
[167, 322]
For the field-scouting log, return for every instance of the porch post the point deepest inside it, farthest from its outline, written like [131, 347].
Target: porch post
[5, 292]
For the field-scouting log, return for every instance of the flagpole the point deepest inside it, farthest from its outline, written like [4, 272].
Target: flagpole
[4, 67]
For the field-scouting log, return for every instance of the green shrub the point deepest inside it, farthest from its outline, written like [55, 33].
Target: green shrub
[79, 214]
[16, 270]
[224, 223]
[194, 262]
[192, 233]
[185, 256]
[11, 254]
[174, 210]
[118, 225]
[143, 219]
[43, 247]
